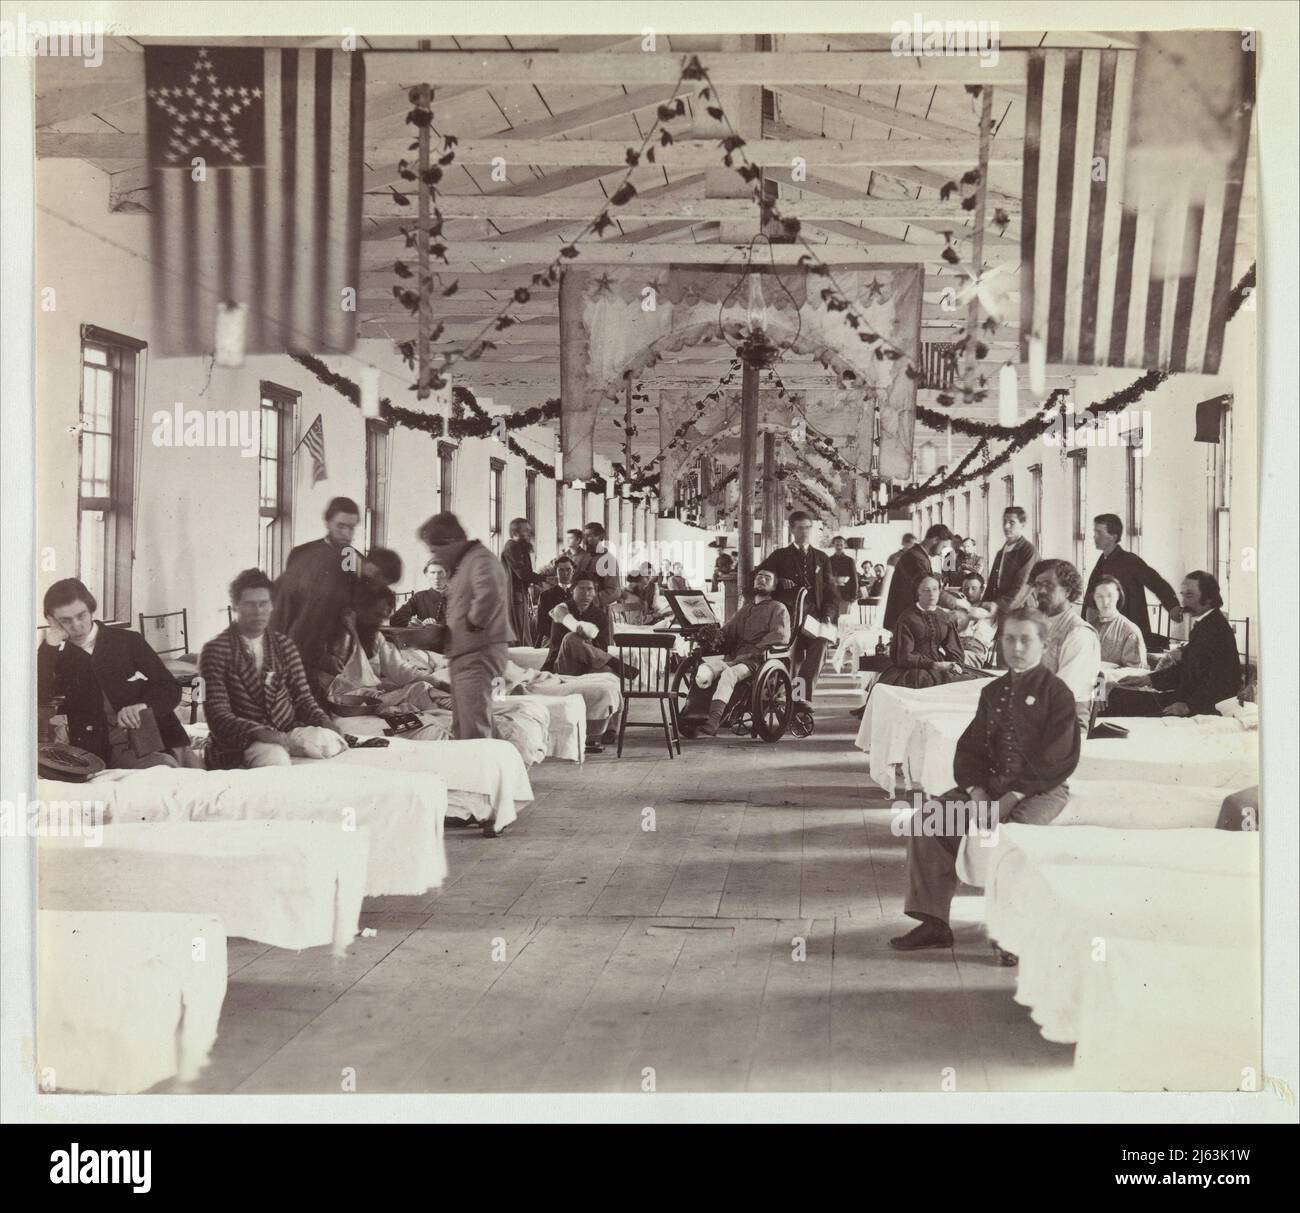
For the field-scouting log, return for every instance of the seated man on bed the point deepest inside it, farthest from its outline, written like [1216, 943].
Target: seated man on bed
[1206, 671]
[580, 635]
[1012, 764]
[258, 705]
[370, 681]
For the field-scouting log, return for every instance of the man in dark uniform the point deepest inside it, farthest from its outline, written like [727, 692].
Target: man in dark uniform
[425, 606]
[1134, 575]
[317, 584]
[1012, 764]
[845, 575]
[914, 564]
[553, 595]
[802, 566]
[1008, 584]
[1207, 670]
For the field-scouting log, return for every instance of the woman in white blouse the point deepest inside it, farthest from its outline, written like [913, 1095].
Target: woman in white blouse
[1121, 638]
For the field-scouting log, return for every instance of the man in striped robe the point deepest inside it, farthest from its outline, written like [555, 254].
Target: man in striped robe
[257, 702]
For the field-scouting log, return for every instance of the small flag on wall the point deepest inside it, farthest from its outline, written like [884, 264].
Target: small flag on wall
[314, 441]
[256, 170]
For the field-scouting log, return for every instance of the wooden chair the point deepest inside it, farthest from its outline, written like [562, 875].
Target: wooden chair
[1241, 630]
[651, 652]
[180, 662]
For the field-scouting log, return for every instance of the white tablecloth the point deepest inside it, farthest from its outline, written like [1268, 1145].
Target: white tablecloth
[1141, 945]
[286, 883]
[1193, 751]
[125, 1001]
[403, 813]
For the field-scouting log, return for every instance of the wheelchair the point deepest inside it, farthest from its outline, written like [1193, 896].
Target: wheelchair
[762, 704]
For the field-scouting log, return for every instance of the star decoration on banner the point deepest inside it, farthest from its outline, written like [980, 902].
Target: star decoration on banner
[876, 291]
[604, 286]
[205, 114]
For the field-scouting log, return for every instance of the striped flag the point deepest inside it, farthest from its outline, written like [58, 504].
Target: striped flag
[1133, 172]
[314, 441]
[256, 166]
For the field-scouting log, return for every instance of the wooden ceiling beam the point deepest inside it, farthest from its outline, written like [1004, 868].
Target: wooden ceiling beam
[770, 68]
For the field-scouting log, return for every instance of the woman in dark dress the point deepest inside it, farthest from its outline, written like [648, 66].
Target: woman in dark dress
[517, 556]
[926, 651]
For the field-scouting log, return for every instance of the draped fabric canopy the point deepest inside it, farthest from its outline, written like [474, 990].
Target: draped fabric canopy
[617, 321]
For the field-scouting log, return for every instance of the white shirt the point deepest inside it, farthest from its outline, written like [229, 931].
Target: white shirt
[88, 645]
[1073, 653]
[256, 650]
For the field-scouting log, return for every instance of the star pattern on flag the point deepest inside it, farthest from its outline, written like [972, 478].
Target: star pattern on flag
[203, 112]
[876, 291]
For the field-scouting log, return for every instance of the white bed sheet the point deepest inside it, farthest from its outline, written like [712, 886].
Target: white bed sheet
[126, 1001]
[1140, 945]
[403, 814]
[290, 884]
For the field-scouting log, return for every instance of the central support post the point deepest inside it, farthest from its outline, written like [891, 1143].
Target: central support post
[748, 451]
[769, 491]
[424, 327]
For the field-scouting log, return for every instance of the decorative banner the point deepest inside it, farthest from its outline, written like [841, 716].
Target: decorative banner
[614, 321]
[1133, 177]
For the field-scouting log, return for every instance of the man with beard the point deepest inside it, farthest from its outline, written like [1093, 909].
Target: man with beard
[477, 622]
[753, 629]
[1072, 650]
[915, 563]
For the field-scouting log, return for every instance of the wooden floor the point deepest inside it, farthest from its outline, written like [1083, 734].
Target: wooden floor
[738, 944]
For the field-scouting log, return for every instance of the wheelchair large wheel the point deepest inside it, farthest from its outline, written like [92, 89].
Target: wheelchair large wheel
[773, 702]
[683, 680]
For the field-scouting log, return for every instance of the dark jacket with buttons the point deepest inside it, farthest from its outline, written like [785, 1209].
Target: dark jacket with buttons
[811, 570]
[1025, 736]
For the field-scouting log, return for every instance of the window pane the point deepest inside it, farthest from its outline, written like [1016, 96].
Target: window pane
[93, 353]
[91, 542]
[104, 400]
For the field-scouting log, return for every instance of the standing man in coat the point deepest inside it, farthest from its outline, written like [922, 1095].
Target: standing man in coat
[317, 583]
[1134, 575]
[477, 623]
[800, 566]
[845, 574]
[1008, 584]
[517, 557]
[915, 563]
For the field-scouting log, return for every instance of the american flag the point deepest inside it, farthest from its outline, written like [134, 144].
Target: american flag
[1133, 173]
[275, 219]
[314, 441]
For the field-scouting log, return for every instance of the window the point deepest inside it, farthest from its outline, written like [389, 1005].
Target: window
[985, 534]
[278, 418]
[378, 446]
[1218, 460]
[1133, 467]
[446, 478]
[1036, 507]
[586, 515]
[496, 503]
[969, 529]
[106, 484]
[608, 520]
[1079, 506]
[530, 498]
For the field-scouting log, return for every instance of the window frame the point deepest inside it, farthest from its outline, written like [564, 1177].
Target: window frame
[379, 451]
[123, 359]
[496, 502]
[530, 498]
[275, 522]
[1134, 486]
[447, 477]
[1036, 506]
[1079, 506]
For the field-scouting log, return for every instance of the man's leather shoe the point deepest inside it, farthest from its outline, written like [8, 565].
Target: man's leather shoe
[710, 727]
[594, 747]
[930, 934]
[1006, 959]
